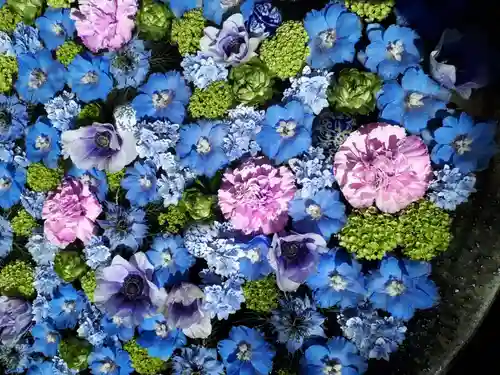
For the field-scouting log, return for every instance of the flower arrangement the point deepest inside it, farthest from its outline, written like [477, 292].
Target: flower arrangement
[169, 168]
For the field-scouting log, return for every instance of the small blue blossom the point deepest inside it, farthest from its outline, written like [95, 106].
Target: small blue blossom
[467, 145]
[265, 19]
[154, 139]
[13, 118]
[253, 261]
[244, 124]
[97, 254]
[12, 182]
[140, 183]
[12, 153]
[6, 44]
[55, 27]
[6, 237]
[158, 339]
[32, 202]
[197, 359]
[172, 182]
[222, 300]
[286, 131]
[46, 280]
[63, 110]
[62, 368]
[96, 179]
[40, 308]
[107, 361]
[46, 339]
[203, 70]
[179, 7]
[41, 249]
[451, 187]
[42, 143]
[66, 306]
[120, 325]
[89, 77]
[90, 325]
[26, 39]
[130, 65]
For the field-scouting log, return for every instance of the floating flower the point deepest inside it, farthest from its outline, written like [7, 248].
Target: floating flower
[253, 262]
[255, 196]
[47, 339]
[140, 183]
[55, 27]
[42, 143]
[121, 325]
[70, 213]
[451, 187]
[66, 306]
[13, 118]
[105, 360]
[380, 164]
[12, 180]
[15, 319]
[158, 339]
[197, 358]
[130, 65]
[89, 77]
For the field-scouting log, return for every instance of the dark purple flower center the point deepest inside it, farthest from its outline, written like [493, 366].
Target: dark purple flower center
[244, 351]
[102, 139]
[124, 61]
[290, 250]
[233, 44]
[132, 287]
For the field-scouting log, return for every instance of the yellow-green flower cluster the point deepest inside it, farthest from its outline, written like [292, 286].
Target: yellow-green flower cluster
[8, 19]
[141, 361]
[115, 180]
[89, 284]
[261, 295]
[285, 53]
[154, 20]
[23, 223]
[59, 3]
[69, 265]
[75, 352]
[42, 179]
[174, 219]
[16, 279]
[67, 52]
[8, 70]
[188, 30]
[371, 10]
[211, 102]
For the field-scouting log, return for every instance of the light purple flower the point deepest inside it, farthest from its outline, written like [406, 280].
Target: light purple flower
[15, 319]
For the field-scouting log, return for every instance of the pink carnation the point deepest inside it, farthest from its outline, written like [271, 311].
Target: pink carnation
[104, 24]
[255, 196]
[70, 212]
[379, 163]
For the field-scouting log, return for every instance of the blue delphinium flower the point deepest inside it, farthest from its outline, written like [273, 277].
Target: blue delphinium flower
[55, 27]
[41, 368]
[197, 360]
[203, 70]
[130, 65]
[107, 361]
[244, 123]
[89, 77]
[337, 281]
[41, 249]
[42, 143]
[401, 287]
[246, 350]
[337, 356]
[26, 39]
[322, 213]
[286, 131]
[140, 183]
[213, 10]
[6, 237]
[223, 299]
[169, 256]
[200, 147]
[97, 254]
[333, 32]
[297, 322]
[65, 307]
[121, 325]
[12, 182]
[179, 7]
[163, 96]
[96, 179]
[32, 202]
[40, 76]
[467, 145]
[158, 339]
[413, 103]
[391, 51]
[63, 110]
[264, 19]
[253, 261]
[13, 118]
[451, 187]
[47, 339]
[46, 280]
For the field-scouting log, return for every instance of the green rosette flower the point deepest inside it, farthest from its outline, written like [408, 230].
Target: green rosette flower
[154, 20]
[69, 265]
[252, 82]
[75, 352]
[27, 9]
[355, 92]
[371, 10]
[198, 206]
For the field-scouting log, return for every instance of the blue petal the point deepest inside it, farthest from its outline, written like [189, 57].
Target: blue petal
[315, 23]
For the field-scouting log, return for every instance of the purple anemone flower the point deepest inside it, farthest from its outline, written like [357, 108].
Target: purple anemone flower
[15, 319]
[294, 258]
[184, 310]
[99, 146]
[126, 286]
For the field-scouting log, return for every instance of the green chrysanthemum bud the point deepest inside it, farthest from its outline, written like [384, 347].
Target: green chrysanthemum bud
[115, 180]
[68, 51]
[370, 234]
[69, 265]
[16, 279]
[174, 219]
[89, 114]
[355, 92]
[285, 54]
[211, 102]
[198, 205]
[8, 70]
[59, 3]
[252, 82]
[188, 30]
[75, 352]
[42, 179]
[371, 10]
[154, 20]
[141, 361]
[27, 9]
[425, 230]
[261, 295]
[8, 19]
[89, 284]
[23, 223]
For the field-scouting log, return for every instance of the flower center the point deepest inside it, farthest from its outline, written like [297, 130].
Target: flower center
[286, 129]
[226, 4]
[332, 368]
[107, 367]
[253, 255]
[5, 121]
[58, 29]
[395, 50]
[51, 338]
[244, 352]
[102, 140]
[117, 320]
[37, 79]
[167, 258]
[290, 250]
[162, 99]
[42, 143]
[69, 307]
[233, 45]
[314, 211]
[338, 283]
[132, 287]
[145, 182]
[395, 288]
[203, 146]
[462, 144]
[327, 38]
[161, 330]
[90, 78]
[5, 183]
[415, 100]
[123, 61]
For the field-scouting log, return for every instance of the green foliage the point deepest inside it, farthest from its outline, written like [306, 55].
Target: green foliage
[59, 3]
[89, 114]
[23, 223]
[27, 9]
[8, 69]
[252, 82]
[175, 219]
[89, 284]
[261, 295]
[211, 102]
[16, 279]
[285, 53]
[42, 179]
[68, 51]
[8, 20]
[370, 234]
[371, 10]
[75, 352]
[355, 92]
[197, 205]
[69, 265]
[425, 230]
[115, 180]
[154, 20]
[188, 30]
[141, 361]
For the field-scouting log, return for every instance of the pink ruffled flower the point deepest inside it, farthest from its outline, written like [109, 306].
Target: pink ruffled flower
[255, 196]
[379, 163]
[105, 24]
[70, 212]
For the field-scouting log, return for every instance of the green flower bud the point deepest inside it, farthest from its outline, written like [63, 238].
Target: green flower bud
[425, 230]
[16, 279]
[69, 265]
[23, 223]
[75, 352]
[261, 295]
[198, 205]
[154, 20]
[252, 82]
[89, 284]
[285, 54]
[115, 180]
[211, 102]
[8, 19]
[174, 219]
[371, 10]
[370, 234]
[188, 30]
[355, 92]
[68, 51]
[8, 71]
[141, 361]
[43, 179]
[28, 9]
[89, 114]
[59, 3]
